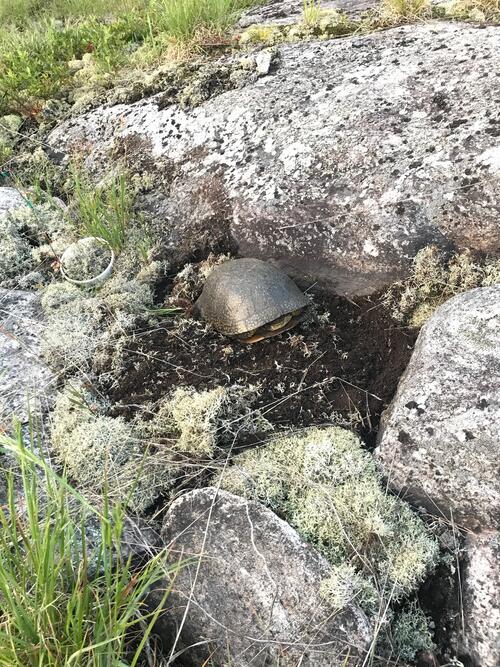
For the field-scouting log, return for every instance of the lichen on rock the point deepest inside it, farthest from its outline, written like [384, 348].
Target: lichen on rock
[435, 278]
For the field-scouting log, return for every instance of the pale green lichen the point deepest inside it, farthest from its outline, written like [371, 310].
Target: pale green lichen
[327, 487]
[73, 330]
[200, 421]
[316, 24]
[86, 259]
[346, 585]
[102, 452]
[23, 231]
[410, 634]
[434, 279]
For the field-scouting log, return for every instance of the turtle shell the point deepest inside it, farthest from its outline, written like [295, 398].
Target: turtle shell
[245, 294]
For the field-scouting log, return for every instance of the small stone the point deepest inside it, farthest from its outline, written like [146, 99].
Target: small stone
[263, 62]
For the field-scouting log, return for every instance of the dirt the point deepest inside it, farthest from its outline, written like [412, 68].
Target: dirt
[341, 365]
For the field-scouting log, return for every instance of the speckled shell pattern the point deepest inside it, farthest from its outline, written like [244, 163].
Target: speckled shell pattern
[245, 294]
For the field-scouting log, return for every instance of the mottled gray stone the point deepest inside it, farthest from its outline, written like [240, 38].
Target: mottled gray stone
[479, 638]
[284, 12]
[340, 165]
[10, 199]
[25, 381]
[439, 439]
[255, 600]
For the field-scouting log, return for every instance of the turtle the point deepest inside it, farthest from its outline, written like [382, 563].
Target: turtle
[250, 300]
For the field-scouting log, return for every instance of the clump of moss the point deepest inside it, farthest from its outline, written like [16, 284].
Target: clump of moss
[434, 279]
[326, 485]
[346, 585]
[201, 421]
[100, 451]
[316, 24]
[73, 331]
[410, 633]
[24, 231]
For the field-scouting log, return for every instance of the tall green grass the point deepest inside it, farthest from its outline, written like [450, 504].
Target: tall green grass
[64, 602]
[181, 19]
[35, 48]
[22, 10]
[104, 212]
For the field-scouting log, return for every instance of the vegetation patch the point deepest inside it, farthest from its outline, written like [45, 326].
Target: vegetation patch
[28, 236]
[65, 601]
[206, 420]
[436, 277]
[326, 485]
[103, 453]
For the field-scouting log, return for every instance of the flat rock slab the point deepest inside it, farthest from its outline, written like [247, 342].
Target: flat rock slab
[255, 599]
[439, 438]
[342, 163]
[26, 383]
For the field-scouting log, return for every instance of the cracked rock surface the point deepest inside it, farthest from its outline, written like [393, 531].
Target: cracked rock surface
[255, 600]
[439, 437]
[339, 165]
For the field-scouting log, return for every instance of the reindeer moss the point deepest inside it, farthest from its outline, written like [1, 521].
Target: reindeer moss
[200, 421]
[434, 279]
[100, 451]
[327, 487]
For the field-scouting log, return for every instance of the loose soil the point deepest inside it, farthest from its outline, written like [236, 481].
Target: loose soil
[341, 365]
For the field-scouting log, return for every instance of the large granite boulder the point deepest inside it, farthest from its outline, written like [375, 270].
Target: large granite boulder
[439, 439]
[254, 600]
[27, 386]
[479, 624]
[339, 165]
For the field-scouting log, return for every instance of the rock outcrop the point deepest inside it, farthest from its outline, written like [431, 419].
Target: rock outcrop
[10, 199]
[339, 165]
[255, 598]
[480, 634]
[439, 438]
[282, 12]
[26, 384]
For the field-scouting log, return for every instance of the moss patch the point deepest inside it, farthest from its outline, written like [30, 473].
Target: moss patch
[325, 484]
[434, 279]
[101, 451]
[202, 421]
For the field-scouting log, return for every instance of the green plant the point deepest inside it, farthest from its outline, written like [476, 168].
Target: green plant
[19, 11]
[311, 12]
[34, 62]
[103, 212]
[67, 598]
[182, 19]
